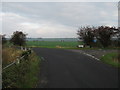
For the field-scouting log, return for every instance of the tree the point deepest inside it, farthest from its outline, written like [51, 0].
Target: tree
[18, 38]
[87, 34]
[118, 36]
[3, 39]
[104, 34]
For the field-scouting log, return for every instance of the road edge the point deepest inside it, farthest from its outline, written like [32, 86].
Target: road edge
[43, 74]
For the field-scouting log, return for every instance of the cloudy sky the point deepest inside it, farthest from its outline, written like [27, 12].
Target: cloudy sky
[56, 19]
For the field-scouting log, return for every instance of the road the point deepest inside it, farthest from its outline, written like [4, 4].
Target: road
[67, 69]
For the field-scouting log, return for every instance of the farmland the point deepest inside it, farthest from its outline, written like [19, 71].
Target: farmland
[53, 44]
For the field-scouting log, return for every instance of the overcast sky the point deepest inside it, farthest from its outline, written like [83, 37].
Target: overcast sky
[56, 20]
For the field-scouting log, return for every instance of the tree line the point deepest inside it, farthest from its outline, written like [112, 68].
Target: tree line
[101, 36]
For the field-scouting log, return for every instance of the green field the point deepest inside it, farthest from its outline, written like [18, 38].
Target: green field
[53, 44]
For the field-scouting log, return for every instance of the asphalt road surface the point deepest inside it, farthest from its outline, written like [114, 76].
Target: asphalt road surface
[66, 69]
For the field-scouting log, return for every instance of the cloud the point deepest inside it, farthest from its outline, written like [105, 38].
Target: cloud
[41, 28]
[56, 19]
[11, 22]
[56, 30]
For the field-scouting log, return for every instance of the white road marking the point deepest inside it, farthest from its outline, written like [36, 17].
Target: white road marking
[82, 52]
[91, 56]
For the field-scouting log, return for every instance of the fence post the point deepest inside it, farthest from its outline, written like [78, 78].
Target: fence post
[18, 61]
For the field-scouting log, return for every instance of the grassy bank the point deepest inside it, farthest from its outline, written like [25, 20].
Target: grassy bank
[112, 59]
[31, 77]
[9, 55]
[53, 44]
[22, 75]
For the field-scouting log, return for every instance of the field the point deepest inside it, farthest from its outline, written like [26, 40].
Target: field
[53, 44]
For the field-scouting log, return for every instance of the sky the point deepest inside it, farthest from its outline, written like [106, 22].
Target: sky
[55, 19]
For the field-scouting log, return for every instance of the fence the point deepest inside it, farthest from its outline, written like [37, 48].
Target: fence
[28, 51]
[15, 71]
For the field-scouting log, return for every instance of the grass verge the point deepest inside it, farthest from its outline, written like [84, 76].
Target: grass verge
[112, 59]
[22, 75]
[9, 55]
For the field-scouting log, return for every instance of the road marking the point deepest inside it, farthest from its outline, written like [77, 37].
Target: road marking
[91, 56]
[82, 52]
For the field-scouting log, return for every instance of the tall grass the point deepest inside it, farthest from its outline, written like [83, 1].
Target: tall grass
[32, 76]
[9, 55]
[22, 75]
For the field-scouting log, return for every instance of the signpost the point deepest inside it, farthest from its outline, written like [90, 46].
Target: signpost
[95, 40]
